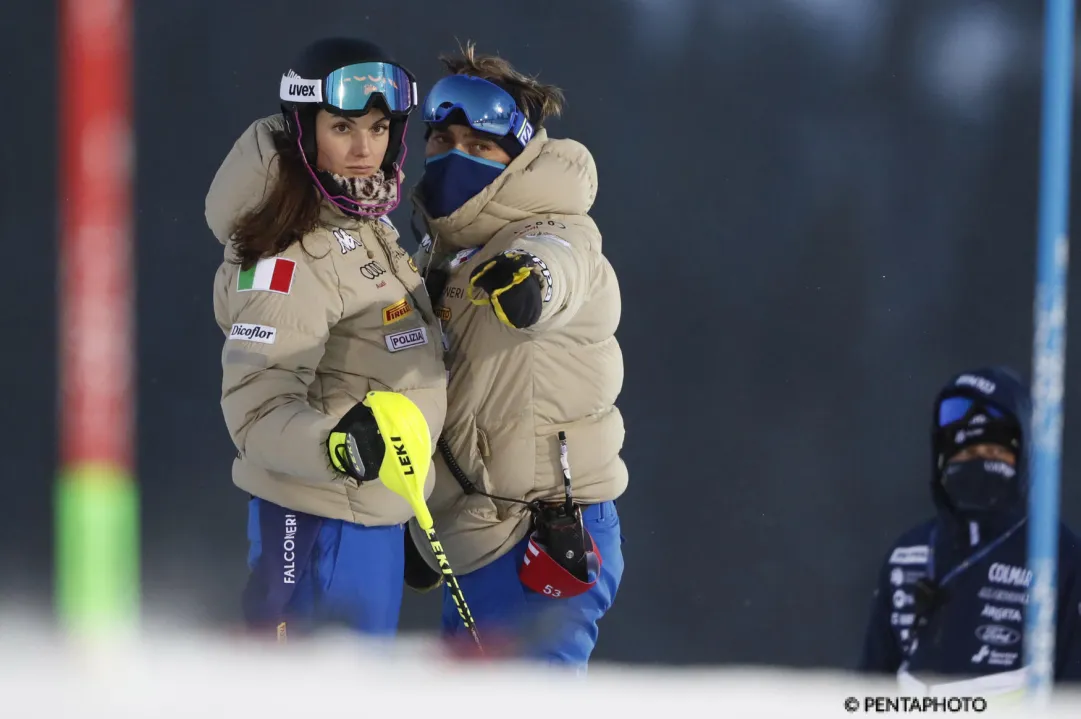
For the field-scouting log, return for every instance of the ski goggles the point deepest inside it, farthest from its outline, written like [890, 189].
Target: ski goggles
[486, 106]
[353, 88]
[955, 409]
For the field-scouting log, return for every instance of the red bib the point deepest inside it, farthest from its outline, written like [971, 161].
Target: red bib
[543, 574]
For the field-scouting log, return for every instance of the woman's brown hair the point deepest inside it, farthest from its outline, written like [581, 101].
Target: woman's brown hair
[288, 212]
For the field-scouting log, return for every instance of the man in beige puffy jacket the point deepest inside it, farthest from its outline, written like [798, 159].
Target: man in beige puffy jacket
[319, 306]
[529, 306]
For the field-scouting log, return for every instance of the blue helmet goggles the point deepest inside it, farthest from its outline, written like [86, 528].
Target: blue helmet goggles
[486, 106]
[353, 88]
[955, 409]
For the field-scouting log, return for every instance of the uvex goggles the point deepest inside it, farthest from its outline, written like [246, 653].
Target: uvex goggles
[955, 409]
[353, 87]
[486, 106]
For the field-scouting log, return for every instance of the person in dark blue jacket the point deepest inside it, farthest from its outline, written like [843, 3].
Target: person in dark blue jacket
[950, 604]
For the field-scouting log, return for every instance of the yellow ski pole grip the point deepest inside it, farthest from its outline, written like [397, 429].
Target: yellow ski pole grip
[406, 462]
[408, 455]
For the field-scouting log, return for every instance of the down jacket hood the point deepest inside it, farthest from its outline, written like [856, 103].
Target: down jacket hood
[997, 386]
[244, 177]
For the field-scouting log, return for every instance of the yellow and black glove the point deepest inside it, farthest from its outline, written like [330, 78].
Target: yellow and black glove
[514, 281]
[355, 445]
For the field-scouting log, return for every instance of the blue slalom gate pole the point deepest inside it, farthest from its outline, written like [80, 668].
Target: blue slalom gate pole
[1049, 347]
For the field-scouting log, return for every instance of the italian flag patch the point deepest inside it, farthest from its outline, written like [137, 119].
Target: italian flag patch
[273, 274]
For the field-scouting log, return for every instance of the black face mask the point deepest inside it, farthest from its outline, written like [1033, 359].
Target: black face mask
[981, 486]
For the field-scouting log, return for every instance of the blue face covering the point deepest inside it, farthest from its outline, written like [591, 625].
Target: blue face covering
[980, 486]
[453, 178]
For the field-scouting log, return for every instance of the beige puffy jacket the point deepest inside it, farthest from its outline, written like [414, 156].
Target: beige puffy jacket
[512, 391]
[307, 334]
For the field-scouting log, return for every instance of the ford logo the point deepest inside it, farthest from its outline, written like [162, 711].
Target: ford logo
[998, 635]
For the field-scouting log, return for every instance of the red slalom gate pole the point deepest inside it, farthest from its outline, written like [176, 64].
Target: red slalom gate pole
[97, 547]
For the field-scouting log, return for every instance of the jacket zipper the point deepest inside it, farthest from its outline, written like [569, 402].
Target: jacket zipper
[428, 319]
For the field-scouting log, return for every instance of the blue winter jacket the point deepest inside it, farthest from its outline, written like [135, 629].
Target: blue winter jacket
[965, 627]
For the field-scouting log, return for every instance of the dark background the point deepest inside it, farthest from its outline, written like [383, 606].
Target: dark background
[818, 210]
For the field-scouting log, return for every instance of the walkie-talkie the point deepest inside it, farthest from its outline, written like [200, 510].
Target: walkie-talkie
[560, 525]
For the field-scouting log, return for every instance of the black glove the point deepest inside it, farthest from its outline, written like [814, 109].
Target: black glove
[513, 281]
[419, 576]
[355, 445]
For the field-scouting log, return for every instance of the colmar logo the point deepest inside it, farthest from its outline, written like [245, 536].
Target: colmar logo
[535, 228]
[253, 333]
[1013, 576]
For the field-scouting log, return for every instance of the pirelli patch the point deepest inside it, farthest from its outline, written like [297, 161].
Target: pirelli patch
[396, 311]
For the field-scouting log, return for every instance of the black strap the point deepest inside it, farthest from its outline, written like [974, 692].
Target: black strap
[465, 483]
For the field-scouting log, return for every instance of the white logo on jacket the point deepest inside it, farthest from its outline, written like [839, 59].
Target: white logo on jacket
[1006, 574]
[996, 658]
[1000, 614]
[463, 256]
[1002, 595]
[289, 546]
[253, 333]
[404, 340]
[981, 383]
[546, 237]
[902, 599]
[547, 274]
[909, 555]
[345, 240]
[997, 635]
